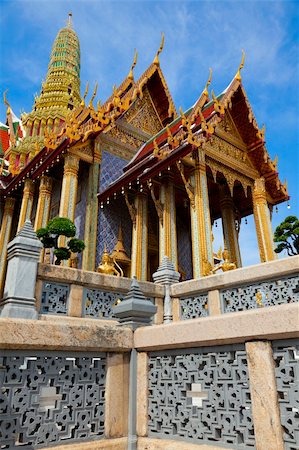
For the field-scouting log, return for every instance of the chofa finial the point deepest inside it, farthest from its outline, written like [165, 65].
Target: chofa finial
[205, 91]
[131, 76]
[238, 74]
[6, 101]
[156, 60]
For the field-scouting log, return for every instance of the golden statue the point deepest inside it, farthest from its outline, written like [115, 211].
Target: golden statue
[227, 264]
[107, 266]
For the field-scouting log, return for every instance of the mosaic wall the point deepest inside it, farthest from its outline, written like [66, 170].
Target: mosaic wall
[201, 395]
[286, 357]
[111, 168]
[257, 295]
[184, 247]
[80, 211]
[114, 214]
[48, 398]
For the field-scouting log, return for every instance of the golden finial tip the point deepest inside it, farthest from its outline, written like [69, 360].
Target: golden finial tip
[70, 20]
[238, 74]
[156, 60]
[131, 76]
[205, 91]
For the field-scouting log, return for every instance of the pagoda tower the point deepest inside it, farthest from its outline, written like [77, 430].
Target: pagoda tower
[59, 94]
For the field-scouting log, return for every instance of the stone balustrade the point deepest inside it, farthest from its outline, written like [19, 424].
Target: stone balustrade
[64, 291]
[254, 287]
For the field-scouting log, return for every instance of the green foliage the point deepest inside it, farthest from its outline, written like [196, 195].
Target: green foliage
[76, 245]
[60, 226]
[61, 253]
[287, 236]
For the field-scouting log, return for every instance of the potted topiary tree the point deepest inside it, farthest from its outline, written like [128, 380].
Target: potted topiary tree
[49, 237]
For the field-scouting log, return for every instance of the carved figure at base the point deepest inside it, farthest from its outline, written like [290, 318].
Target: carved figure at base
[227, 264]
[109, 266]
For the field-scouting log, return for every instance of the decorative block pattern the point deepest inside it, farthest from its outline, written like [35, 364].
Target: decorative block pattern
[50, 398]
[201, 395]
[54, 298]
[194, 307]
[99, 304]
[286, 357]
[257, 295]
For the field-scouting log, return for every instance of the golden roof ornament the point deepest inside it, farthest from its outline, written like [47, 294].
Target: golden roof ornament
[6, 101]
[205, 91]
[85, 94]
[238, 74]
[131, 75]
[94, 94]
[156, 60]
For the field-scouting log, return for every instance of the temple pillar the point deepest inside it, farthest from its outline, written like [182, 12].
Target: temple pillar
[263, 221]
[230, 234]
[201, 233]
[5, 236]
[91, 218]
[140, 239]
[167, 223]
[27, 202]
[69, 187]
[43, 204]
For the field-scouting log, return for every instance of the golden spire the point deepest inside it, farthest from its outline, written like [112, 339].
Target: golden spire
[156, 60]
[131, 76]
[205, 91]
[238, 74]
[69, 23]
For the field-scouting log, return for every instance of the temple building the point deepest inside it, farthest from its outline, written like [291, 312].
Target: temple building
[139, 179]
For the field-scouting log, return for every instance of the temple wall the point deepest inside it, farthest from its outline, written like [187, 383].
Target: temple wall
[80, 211]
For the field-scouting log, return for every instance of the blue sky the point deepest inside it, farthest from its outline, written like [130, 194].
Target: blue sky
[198, 35]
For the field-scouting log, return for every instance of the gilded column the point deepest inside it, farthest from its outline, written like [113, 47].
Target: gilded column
[201, 233]
[91, 218]
[5, 236]
[69, 187]
[27, 202]
[167, 223]
[139, 239]
[43, 204]
[263, 221]
[230, 234]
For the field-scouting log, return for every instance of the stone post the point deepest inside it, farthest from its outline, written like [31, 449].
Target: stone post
[22, 256]
[135, 311]
[166, 275]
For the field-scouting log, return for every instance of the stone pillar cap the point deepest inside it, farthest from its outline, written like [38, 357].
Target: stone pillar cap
[166, 273]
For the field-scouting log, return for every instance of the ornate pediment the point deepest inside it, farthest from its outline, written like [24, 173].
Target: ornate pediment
[228, 131]
[143, 115]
